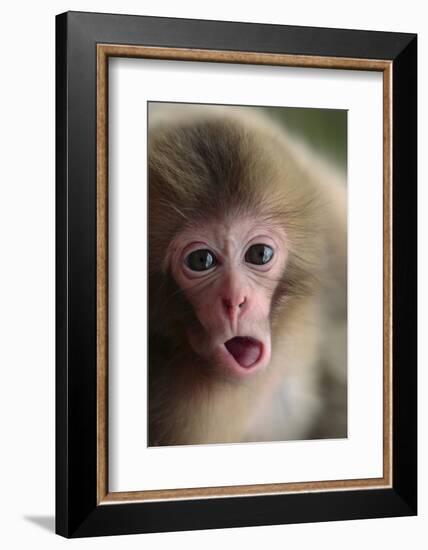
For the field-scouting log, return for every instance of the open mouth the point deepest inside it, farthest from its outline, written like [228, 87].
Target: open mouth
[245, 350]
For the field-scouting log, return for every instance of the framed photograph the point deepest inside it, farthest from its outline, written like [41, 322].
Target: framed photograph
[236, 274]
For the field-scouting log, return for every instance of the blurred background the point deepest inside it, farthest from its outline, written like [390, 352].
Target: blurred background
[324, 129]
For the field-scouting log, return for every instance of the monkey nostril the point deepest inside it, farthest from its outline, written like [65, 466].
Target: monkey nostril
[229, 304]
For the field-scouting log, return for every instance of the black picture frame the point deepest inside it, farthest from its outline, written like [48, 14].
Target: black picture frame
[78, 511]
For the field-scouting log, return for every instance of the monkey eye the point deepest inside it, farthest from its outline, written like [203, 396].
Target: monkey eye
[200, 260]
[259, 254]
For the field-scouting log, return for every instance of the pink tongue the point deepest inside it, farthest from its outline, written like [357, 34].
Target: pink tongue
[245, 351]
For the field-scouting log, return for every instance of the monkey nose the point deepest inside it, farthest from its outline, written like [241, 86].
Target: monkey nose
[232, 305]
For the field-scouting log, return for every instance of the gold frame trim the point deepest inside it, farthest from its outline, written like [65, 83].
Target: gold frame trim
[104, 51]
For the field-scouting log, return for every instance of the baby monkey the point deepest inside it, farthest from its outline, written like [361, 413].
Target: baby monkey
[247, 281]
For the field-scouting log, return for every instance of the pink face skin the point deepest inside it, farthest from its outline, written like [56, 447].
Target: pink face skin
[230, 289]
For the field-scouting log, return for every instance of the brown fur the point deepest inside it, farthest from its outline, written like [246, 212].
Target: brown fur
[212, 163]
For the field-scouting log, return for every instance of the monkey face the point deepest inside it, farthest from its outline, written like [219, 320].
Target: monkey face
[228, 272]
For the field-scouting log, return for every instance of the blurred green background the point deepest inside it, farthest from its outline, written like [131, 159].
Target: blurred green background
[324, 129]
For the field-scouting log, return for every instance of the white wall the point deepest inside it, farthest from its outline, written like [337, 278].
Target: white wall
[27, 271]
